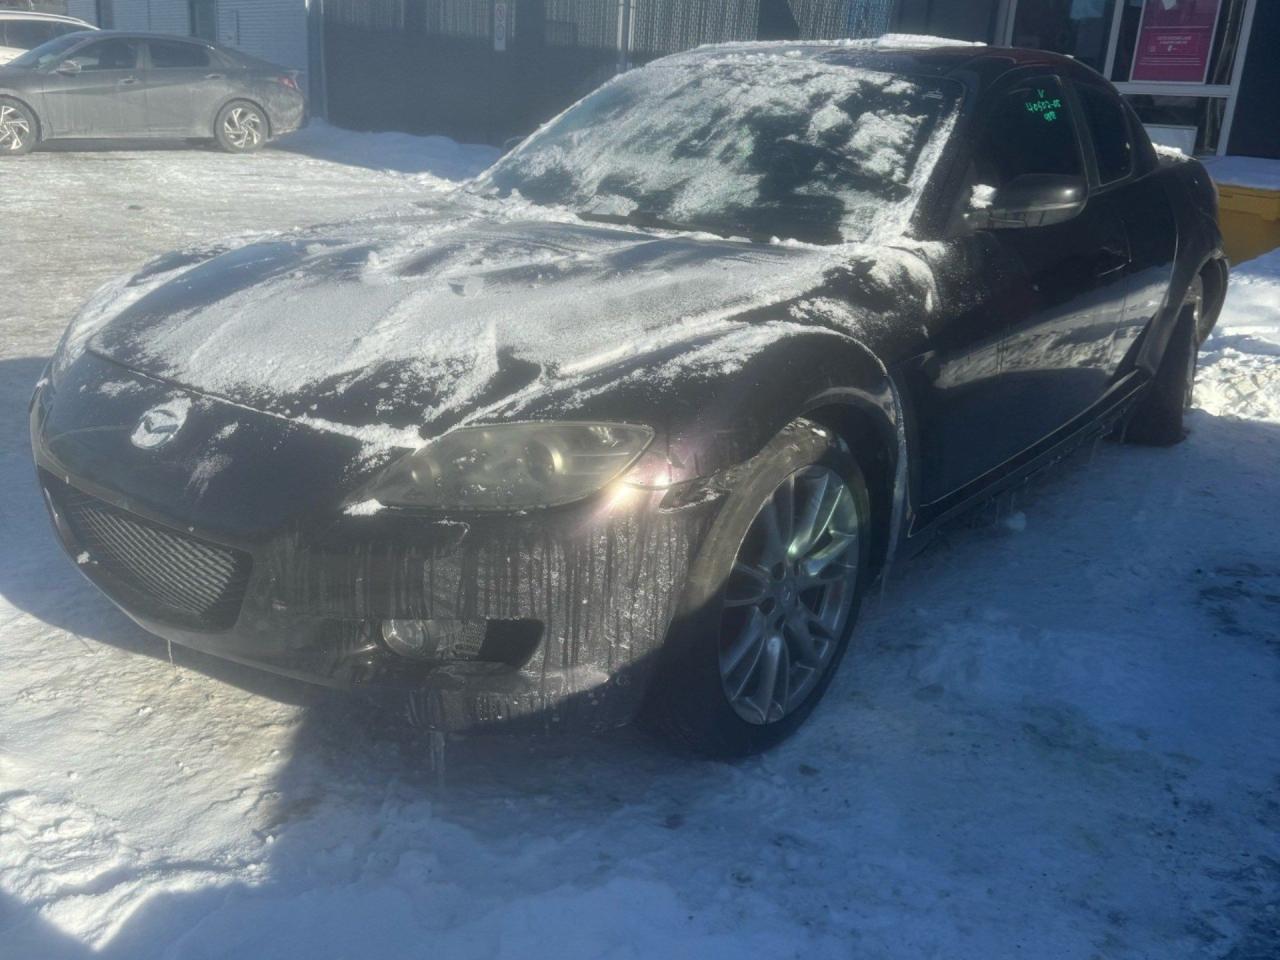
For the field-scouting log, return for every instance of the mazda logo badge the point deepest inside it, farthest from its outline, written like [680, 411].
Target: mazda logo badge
[160, 425]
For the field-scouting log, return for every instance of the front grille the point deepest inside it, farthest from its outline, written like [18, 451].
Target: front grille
[172, 576]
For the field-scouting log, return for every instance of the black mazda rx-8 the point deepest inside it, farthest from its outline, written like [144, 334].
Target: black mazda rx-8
[627, 425]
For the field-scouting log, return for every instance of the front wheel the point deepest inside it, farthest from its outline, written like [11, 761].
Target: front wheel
[17, 128]
[771, 601]
[241, 127]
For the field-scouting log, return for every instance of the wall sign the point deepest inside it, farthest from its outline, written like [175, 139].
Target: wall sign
[1175, 39]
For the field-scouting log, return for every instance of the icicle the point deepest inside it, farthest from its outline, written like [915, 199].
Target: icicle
[437, 742]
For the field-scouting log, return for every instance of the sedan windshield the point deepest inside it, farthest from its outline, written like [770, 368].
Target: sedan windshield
[47, 53]
[744, 142]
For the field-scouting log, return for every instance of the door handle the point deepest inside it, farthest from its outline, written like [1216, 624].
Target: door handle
[128, 81]
[215, 76]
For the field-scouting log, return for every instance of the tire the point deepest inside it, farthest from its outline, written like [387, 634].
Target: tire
[19, 129]
[1158, 420]
[755, 644]
[241, 127]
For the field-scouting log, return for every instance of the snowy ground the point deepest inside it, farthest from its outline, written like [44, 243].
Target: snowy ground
[1058, 735]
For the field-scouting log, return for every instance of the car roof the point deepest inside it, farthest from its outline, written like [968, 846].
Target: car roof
[36, 15]
[977, 64]
[143, 35]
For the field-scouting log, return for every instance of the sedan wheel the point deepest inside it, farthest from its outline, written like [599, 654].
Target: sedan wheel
[789, 595]
[241, 128]
[17, 128]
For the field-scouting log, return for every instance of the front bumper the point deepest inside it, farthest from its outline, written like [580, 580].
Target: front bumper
[575, 601]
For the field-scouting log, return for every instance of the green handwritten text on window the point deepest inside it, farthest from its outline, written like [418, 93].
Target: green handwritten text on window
[1046, 106]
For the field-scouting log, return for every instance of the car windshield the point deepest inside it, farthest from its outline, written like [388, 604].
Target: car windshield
[740, 143]
[47, 53]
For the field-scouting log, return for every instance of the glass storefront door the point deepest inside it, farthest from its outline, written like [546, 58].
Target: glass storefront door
[1175, 60]
[1081, 28]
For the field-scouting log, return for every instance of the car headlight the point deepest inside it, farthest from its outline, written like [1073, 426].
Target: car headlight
[512, 466]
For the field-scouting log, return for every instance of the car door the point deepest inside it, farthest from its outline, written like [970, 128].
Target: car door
[1028, 348]
[97, 91]
[181, 77]
[1142, 205]
[1056, 357]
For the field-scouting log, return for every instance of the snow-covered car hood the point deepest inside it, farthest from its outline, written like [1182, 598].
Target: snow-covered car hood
[420, 321]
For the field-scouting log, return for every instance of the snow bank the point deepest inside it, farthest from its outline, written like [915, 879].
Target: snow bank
[1240, 362]
[438, 157]
[1254, 173]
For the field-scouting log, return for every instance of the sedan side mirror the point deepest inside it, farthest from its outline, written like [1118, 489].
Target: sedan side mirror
[1031, 200]
[68, 68]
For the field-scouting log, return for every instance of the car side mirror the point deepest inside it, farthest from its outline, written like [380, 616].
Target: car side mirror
[1031, 200]
[68, 68]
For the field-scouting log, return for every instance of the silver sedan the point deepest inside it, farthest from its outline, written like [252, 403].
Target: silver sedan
[107, 85]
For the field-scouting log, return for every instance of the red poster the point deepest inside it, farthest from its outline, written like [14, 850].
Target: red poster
[1174, 40]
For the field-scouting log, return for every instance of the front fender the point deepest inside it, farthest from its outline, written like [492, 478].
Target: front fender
[715, 403]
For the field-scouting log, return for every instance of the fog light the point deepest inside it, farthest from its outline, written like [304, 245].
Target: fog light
[434, 639]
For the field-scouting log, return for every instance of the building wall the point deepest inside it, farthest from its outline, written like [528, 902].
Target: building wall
[86, 10]
[275, 30]
[158, 16]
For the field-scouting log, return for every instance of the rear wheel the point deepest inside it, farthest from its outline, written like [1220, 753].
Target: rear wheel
[1158, 418]
[771, 602]
[241, 127]
[17, 128]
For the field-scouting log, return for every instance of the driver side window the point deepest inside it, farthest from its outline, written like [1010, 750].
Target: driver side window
[1029, 130]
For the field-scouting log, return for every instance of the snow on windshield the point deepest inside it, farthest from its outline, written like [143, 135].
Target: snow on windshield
[764, 143]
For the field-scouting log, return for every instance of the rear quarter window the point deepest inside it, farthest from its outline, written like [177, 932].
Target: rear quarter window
[1110, 132]
[169, 55]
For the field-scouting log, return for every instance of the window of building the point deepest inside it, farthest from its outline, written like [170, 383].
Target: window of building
[1081, 28]
[175, 55]
[1109, 131]
[1226, 39]
[1204, 114]
[1174, 60]
[204, 19]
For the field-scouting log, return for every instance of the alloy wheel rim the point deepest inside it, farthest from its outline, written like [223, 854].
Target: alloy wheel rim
[243, 128]
[14, 129]
[789, 595]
